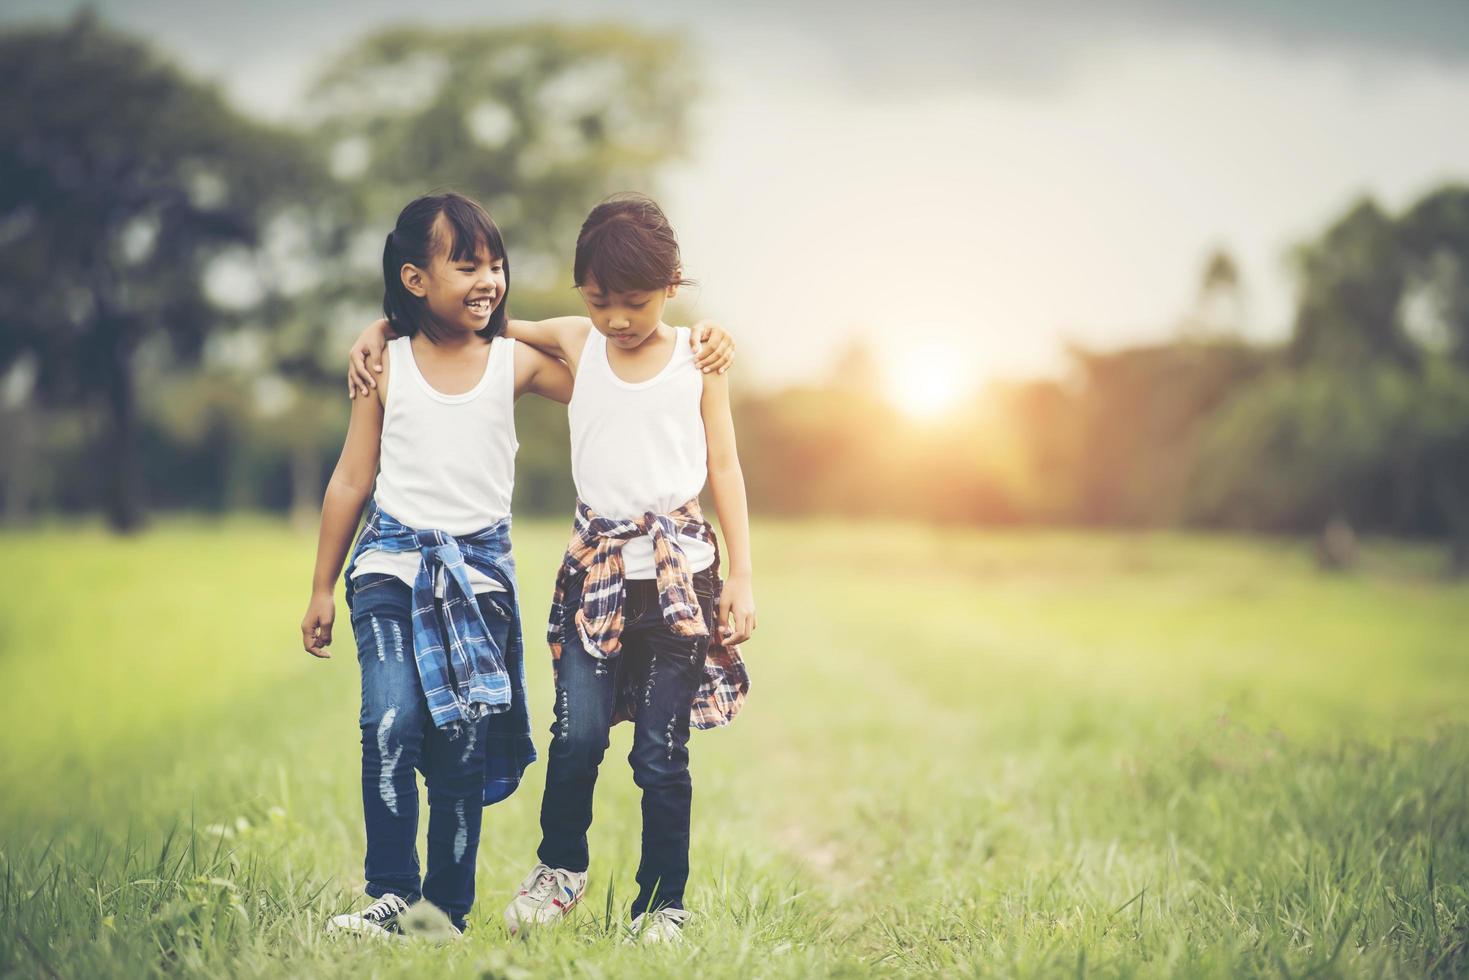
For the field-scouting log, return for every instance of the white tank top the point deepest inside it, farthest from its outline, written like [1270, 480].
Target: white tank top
[639, 447]
[447, 462]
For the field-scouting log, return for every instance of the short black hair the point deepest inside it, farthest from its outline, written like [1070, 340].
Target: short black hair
[626, 244]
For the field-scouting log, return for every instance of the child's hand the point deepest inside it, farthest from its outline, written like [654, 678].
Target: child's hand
[736, 616]
[366, 353]
[316, 628]
[713, 348]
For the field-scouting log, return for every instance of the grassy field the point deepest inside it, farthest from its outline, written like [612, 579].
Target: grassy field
[964, 753]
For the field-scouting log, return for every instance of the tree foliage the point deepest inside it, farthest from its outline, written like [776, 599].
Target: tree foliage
[120, 178]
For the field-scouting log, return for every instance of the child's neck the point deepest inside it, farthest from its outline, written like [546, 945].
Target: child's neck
[661, 333]
[452, 365]
[449, 341]
[643, 362]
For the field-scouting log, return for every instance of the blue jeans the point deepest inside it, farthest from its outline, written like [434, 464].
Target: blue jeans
[667, 669]
[398, 736]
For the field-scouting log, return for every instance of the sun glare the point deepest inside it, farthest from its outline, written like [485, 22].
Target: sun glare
[926, 382]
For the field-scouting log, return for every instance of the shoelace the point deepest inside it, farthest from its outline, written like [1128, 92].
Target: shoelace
[542, 887]
[675, 916]
[384, 907]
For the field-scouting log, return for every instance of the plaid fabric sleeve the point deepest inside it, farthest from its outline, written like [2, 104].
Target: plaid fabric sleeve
[595, 552]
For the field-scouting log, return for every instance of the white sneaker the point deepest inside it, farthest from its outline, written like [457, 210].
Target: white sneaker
[380, 919]
[662, 926]
[545, 895]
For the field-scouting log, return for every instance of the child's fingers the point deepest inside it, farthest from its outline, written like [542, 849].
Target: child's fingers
[717, 357]
[723, 356]
[366, 365]
[315, 637]
[702, 351]
[713, 357]
[358, 375]
[721, 617]
[700, 335]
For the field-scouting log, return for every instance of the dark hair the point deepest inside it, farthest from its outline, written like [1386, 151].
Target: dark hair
[412, 240]
[627, 244]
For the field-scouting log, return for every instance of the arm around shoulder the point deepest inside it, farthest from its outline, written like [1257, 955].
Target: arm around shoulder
[541, 373]
[365, 359]
[562, 337]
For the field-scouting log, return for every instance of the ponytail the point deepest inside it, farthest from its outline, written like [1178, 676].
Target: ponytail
[397, 300]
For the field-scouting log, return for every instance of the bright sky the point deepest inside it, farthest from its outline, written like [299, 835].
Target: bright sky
[973, 180]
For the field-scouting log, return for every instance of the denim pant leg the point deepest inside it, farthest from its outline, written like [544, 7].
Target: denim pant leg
[393, 718]
[584, 697]
[453, 766]
[669, 669]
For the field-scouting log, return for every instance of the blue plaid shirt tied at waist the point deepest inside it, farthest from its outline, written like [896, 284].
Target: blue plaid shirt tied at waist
[465, 674]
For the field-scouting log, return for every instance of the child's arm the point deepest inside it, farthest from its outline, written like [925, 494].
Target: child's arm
[350, 486]
[561, 337]
[736, 615]
[541, 373]
[713, 347]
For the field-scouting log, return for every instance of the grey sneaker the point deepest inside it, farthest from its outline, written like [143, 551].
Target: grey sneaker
[426, 922]
[659, 926]
[546, 895]
[379, 920]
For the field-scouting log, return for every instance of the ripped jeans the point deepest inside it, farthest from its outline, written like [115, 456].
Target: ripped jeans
[667, 669]
[398, 736]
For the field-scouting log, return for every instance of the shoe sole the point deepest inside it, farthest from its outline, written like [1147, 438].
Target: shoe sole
[356, 926]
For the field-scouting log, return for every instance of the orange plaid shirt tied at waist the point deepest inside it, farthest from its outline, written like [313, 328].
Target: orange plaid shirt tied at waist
[595, 554]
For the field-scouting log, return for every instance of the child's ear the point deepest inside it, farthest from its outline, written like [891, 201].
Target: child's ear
[413, 280]
[673, 286]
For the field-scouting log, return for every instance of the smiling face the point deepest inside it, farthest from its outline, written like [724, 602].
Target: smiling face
[627, 318]
[461, 291]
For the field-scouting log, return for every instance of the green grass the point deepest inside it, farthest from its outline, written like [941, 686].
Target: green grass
[1032, 753]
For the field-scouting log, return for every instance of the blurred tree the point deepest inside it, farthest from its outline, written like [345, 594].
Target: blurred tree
[1219, 307]
[1443, 419]
[120, 180]
[1312, 447]
[1142, 411]
[18, 425]
[1352, 283]
[1434, 235]
[536, 121]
